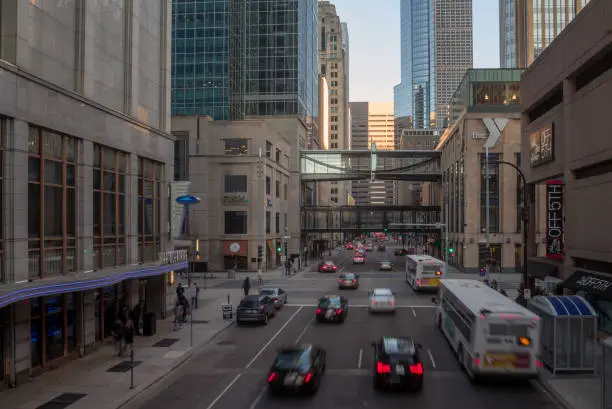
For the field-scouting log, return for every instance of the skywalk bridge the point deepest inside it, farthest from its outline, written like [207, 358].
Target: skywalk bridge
[337, 165]
[369, 219]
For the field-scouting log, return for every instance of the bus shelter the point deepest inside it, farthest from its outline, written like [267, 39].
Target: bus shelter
[569, 333]
[606, 377]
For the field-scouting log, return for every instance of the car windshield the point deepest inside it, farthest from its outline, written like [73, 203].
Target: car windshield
[330, 303]
[349, 276]
[267, 291]
[292, 360]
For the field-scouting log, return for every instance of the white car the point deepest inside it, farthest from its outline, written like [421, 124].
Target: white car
[382, 300]
[385, 266]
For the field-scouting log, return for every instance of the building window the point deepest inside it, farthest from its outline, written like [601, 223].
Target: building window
[277, 188]
[235, 223]
[181, 157]
[494, 159]
[51, 203]
[278, 155]
[236, 147]
[268, 185]
[149, 223]
[268, 221]
[519, 194]
[277, 222]
[285, 189]
[236, 183]
[268, 149]
[54, 327]
[109, 169]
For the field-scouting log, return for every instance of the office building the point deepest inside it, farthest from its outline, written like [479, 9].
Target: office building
[527, 27]
[453, 39]
[414, 96]
[333, 66]
[86, 161]
[565, 94]
[487, 119]
[373, 124]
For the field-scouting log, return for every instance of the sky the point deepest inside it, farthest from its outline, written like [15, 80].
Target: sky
[374, 43]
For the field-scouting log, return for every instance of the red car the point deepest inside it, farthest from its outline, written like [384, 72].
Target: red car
[328, 267]
[349, 246]
[359, 259]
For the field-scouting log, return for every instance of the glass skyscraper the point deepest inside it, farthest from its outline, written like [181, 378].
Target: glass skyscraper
[414, 95]
[200, 58]
[243, 58]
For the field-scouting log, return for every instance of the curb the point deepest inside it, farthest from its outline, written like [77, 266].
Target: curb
[189, 354]
[555, 396]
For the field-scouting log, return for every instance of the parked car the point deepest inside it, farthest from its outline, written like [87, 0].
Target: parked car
[255, 308]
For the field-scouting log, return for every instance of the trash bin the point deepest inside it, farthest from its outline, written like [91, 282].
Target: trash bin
[150, 324]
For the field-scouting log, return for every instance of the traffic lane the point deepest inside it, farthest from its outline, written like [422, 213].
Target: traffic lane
[436, 355]
[436, 343]
[243, 391]
[247, 341]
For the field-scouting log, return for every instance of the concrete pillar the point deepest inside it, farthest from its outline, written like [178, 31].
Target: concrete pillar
[85, 204]
[131, 211]
[15, 199]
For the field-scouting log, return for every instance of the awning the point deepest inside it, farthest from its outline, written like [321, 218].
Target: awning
[591, 282]
[542, 269]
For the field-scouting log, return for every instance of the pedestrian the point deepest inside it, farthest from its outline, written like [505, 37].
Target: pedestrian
[128, 336]
[180, 290]
[124, 314]
[138, 317]
[287, 267]
[118, 333]
[197, 296]
[246, 286]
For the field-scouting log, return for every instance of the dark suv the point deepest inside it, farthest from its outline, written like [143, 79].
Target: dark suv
[255, 308]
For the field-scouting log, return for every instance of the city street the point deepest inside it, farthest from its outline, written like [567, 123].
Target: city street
[231, 372]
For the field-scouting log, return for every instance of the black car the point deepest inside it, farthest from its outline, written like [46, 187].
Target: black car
[255, 308]
[401, 252]
[381, 247]
[397, 364]
[297, 369]
[332, 308]
[348, 280]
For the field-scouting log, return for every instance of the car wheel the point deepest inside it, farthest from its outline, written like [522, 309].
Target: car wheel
[285, 302]
[239, 323]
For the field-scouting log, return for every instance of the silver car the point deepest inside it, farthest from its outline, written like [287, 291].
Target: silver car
[385, 266]
[278, 295]
[382, 300]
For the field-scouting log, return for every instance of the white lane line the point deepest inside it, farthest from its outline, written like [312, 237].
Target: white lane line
[433, 362]
[224, 391]
[259, 397]
[299, 338]
[342, 269]
[360, 358]
[413, 311]
[363, 306]
[267, 344]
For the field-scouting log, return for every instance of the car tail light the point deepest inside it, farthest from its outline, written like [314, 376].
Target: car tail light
[308, 377]
[416, 369]
[354, 281]
[272, 377]
[339, 311]
[335, 267]
[275, 300]
[373, 303]
[261, 308]
[340, 281]
[383, 368]
[318, 311]
[393, 302]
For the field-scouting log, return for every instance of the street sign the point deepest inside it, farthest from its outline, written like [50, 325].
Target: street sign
[227, 311]
[283, 258]
[286, 237]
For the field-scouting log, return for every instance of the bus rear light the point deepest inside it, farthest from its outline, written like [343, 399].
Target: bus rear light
[418, 282]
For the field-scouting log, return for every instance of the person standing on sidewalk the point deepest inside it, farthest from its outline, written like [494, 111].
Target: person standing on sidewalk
[287, 267]
[128, 336]
[246, 286]
[118, 333]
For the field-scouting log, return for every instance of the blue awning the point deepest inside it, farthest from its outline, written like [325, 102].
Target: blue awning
[564, 305]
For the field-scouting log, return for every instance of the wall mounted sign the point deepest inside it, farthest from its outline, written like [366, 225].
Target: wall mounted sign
[234, 247]
[554, 219]
[542, 146]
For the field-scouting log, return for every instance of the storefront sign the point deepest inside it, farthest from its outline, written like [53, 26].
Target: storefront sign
[590, 283]
[236, 248]
[542, 146]
[554, 219]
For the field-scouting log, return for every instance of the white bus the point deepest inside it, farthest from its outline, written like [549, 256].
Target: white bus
[490, 334]
[424, 272]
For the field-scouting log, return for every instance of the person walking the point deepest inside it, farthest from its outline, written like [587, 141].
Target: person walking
[128, 336]
[246, 286]
[118, 334]
[287, 268]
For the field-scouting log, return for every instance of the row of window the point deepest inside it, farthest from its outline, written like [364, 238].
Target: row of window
[239, 184]
[236, 222]
[53, 210]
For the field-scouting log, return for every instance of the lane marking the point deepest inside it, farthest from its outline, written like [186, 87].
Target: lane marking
[360, 358]
[413, 311]
[362, 306]
[224, 391]
[299, 338]
[433, 362]
[259, 397]
[267, 344]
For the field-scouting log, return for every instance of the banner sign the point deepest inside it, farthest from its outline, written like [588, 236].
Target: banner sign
[554, 219]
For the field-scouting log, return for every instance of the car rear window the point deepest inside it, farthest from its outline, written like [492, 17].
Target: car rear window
[349, 276]
[267, 291]
[250, 303]
[293, 361]
[329, 303]
[398, 346]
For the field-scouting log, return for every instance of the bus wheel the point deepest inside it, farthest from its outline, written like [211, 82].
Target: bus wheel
[460, 357]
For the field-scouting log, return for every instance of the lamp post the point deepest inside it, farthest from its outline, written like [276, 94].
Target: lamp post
[525, 217]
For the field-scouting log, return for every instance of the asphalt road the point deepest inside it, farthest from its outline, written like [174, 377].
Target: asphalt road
[230, 373]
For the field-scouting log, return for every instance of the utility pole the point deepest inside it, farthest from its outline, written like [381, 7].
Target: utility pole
[260, 183]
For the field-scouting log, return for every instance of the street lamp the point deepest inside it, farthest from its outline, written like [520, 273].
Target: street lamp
[525, 217]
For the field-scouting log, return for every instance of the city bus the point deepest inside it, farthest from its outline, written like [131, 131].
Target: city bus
[423, 272]
[490, 334]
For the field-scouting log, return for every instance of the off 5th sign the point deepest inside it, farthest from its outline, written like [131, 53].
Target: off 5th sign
[234, 247]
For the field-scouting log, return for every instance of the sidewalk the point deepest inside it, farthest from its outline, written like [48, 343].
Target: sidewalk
[101, 380]
[573, 391]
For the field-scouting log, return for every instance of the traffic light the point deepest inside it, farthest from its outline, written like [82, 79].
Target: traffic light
[279, 247]
[259, 253]
[451, 250]
[386, 226]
